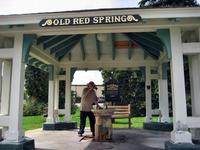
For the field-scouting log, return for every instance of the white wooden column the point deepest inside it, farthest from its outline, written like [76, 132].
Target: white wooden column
[178, 135]
[194, 68]
[51, 93]
[194, 64]
[68, 95]
[148, 94]
[163, 94]
[1, 73]
[5, 88]
[15, 132]
[56, 106]
[163, 100]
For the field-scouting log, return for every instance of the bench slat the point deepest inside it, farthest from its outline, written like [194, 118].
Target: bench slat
[121, 112]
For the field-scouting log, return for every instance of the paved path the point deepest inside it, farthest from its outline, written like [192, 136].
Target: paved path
[123, 139]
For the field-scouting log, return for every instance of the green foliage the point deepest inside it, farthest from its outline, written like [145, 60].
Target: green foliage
[36, 84]
[132, 89]
[32, 107]
[168, 3]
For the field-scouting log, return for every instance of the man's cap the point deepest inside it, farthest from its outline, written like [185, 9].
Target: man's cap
[92, 83]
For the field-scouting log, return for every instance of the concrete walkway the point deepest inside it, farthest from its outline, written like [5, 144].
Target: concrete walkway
[123, 139]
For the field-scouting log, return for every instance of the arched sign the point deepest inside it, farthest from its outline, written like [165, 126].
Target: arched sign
[112, 19]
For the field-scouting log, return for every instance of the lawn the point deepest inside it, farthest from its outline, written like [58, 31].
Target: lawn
[34, 122]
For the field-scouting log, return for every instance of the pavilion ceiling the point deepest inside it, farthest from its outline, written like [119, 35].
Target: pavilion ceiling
[60, 46]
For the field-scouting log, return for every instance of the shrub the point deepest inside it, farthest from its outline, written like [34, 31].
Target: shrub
[32, 107]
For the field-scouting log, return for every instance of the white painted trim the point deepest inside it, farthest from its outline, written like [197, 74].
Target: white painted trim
[191, 48]
[6, 83]
[56, 99]
[61, 111]
[50, 117]
[177, 77]
[193, 122]
[154, 76]
[4, 120]
[148, 26]
[109, 64]
[68, 95]
[61, 77]
[15, 131]
[178, 88]
[7, 52]
[148, 95]
[37, 53]
[163, 100]
[145, 14]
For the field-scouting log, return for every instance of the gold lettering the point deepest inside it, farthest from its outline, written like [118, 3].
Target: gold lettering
[108, 19]
[123, 18]
[75, 21]
[87, 20]
[55, 22]
[81, 20]
[62, 22]
[95, 20]
[101, 19]
[117, 18]
[67, 21]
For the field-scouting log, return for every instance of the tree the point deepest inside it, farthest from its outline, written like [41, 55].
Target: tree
[36, 84]
[132, 89]
[168, 3]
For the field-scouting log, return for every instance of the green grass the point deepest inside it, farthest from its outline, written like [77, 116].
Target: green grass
[34, 122]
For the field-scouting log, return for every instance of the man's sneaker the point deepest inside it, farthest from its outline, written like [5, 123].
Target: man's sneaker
[80, 133]
[93, 134]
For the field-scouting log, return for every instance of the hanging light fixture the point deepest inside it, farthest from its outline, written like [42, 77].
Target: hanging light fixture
[102, 37]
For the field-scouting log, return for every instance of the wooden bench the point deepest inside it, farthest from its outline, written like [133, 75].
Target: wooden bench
[122, 112]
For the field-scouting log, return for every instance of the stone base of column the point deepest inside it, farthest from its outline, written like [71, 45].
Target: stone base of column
[181, 146]
[181, 137]
[60, 126]
[195, 134]
[25, 144]
[165, 119]
[148, 119]
[159, 126]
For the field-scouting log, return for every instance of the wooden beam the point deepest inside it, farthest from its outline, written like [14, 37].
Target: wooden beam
[55, 41]
[44, 39]
[38, 53]
[82, 49]
[113, 46]
[98, 48]
[129, 50]
[125, 44]
[191, 48]
[28, 41]
[70, 56]
[64, 45]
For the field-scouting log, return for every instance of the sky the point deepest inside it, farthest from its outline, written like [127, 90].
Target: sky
[84, 77]
[35, 6]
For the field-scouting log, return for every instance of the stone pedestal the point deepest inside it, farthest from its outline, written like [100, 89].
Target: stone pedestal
[60, 126]
[103, 126]
[24, 144]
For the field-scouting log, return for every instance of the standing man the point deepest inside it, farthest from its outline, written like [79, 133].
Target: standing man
[88, 99]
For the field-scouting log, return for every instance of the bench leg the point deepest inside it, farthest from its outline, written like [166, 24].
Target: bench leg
[113, 120]
[129, 123]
